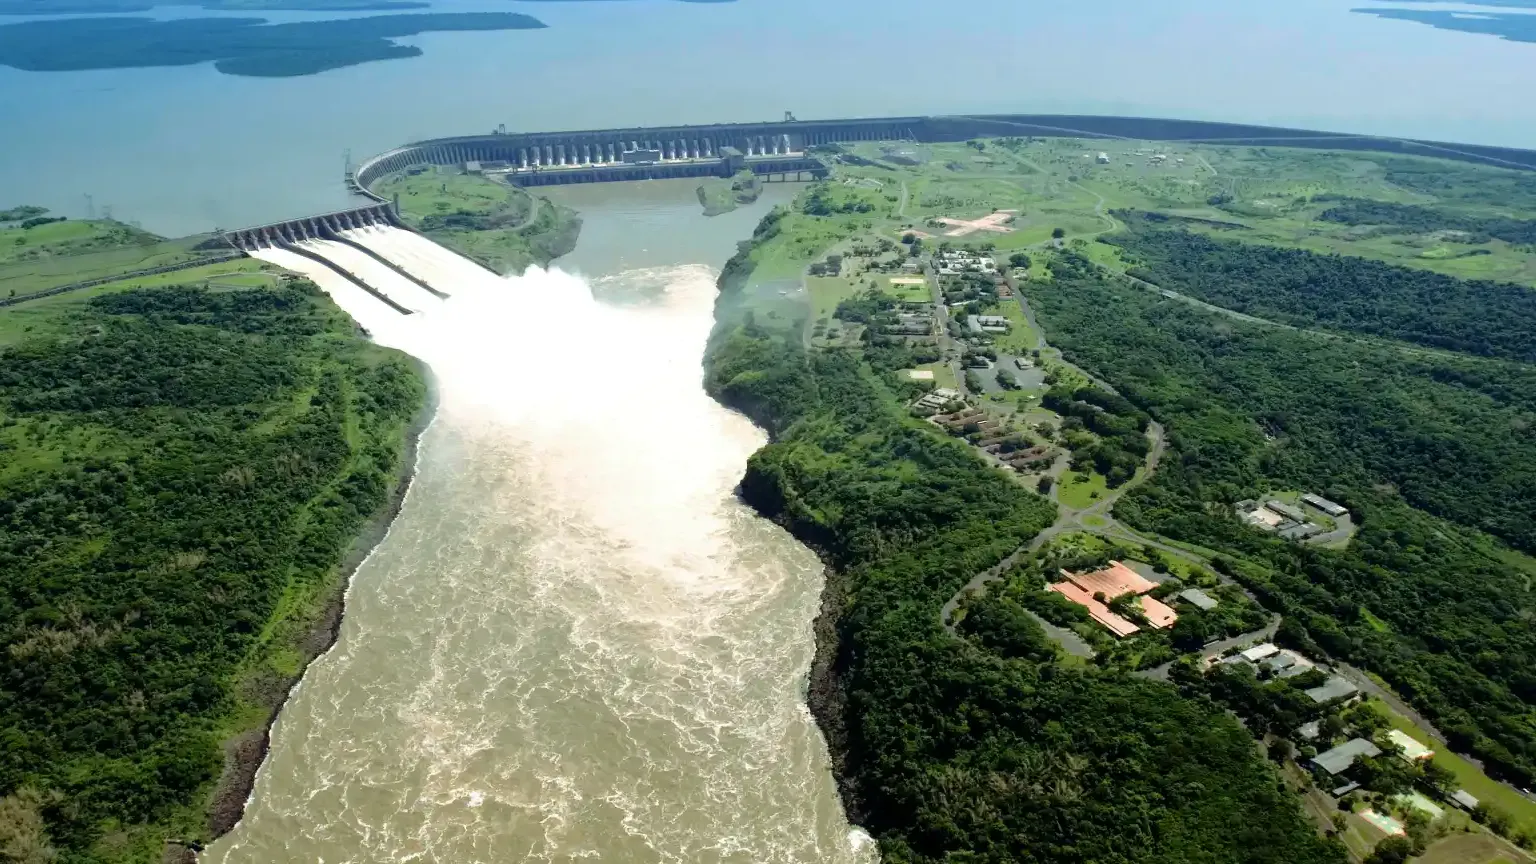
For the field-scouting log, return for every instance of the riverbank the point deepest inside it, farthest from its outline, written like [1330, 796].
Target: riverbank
[246, 752]
[499, 226]
[196, 462]
[937, 743]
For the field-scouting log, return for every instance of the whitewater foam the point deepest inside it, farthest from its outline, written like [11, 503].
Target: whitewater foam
[575, 643]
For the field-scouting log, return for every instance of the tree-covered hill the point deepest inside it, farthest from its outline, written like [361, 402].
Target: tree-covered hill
[1307, 289]
[1421, 446]
[947, 750]
[181, 474]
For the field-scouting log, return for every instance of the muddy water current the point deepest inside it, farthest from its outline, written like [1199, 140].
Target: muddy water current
[575, 643]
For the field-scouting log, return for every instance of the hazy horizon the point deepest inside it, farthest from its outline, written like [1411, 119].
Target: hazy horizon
[192, 149]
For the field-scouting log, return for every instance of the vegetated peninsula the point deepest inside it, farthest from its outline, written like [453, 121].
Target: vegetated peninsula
[1514, 26]
[190, 463]
[482, 218]
[719, 195]
[236, 46]
[1312, 516]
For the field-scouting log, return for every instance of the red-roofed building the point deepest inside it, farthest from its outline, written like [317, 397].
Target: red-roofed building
[1112, 622]
[1157, 612]
[1113, 581]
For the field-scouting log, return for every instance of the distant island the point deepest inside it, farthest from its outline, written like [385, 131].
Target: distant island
[236, 46]
[1514, 26]
[118, 7]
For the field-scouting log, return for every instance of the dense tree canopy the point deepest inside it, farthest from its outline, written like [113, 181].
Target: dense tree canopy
[189, 463]
[1307, 289]
[976, 747]
[1417, 219]
[1396, 434]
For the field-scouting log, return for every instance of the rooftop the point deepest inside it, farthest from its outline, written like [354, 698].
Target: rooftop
[1333, 688]
[1338, 760]
[1260, 651]
[1198, 598]
[1158, 613]
[1112, 581]
[1100, 613]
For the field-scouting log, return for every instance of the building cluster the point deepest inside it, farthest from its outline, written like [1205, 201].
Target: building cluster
[990, 436]
[956, 261]
[1271, 661]
[987, 323]
[936, 400]
[1289, 520]
[1097, 590]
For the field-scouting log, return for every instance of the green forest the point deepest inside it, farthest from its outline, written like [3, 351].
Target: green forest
[1415, 219]
[181, 474]
[1429, 450]
[975, 747]
[236, 46]
[1358, 295]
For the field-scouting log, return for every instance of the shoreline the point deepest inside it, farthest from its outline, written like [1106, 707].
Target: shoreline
[246, 752]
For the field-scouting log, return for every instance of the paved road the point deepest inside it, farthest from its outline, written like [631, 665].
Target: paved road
[1242, 640]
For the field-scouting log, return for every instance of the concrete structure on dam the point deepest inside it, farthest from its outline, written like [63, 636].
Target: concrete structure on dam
[781, 150]
[345, 245]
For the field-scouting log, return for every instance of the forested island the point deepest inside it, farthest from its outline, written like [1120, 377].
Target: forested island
[1515, 26]
[235, 46]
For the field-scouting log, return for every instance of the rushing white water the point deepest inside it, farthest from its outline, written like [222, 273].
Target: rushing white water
[575, 643]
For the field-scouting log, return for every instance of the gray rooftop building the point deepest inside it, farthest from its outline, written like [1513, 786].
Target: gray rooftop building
[1198, 599]
[1338, 760]
[1287, 510]
[1334, 688]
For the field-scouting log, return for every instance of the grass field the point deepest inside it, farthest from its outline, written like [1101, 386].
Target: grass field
[1471, 848]
[903, 289]
[943, 375]
[1020, 338]
[68, 238]
[1078, 491]
[502, 227]
[110, 249]
[1521, 810]
[23, 319]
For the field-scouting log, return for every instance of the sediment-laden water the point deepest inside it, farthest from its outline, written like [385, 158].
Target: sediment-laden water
[575, 643]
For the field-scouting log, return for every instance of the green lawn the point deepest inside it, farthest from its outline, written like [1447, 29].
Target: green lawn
[1077, 491]
[1020, 338]
[828, 291]
[23, 319]
[920, 293]
[501, 226]
[943, 375]
[1520, 809]
[1478, 847]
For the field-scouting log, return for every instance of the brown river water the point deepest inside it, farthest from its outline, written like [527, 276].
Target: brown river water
[575, 642]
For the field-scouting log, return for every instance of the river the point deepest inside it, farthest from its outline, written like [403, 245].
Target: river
[188, 149]
[575, 643]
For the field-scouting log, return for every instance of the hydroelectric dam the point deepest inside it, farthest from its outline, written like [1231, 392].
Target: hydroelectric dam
[369, 253]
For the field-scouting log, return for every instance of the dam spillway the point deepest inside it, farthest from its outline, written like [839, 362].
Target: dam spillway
[365, 259]
[377, 274]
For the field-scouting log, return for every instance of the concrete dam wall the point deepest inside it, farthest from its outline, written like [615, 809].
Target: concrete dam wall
[779, 150]
[361, 253]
